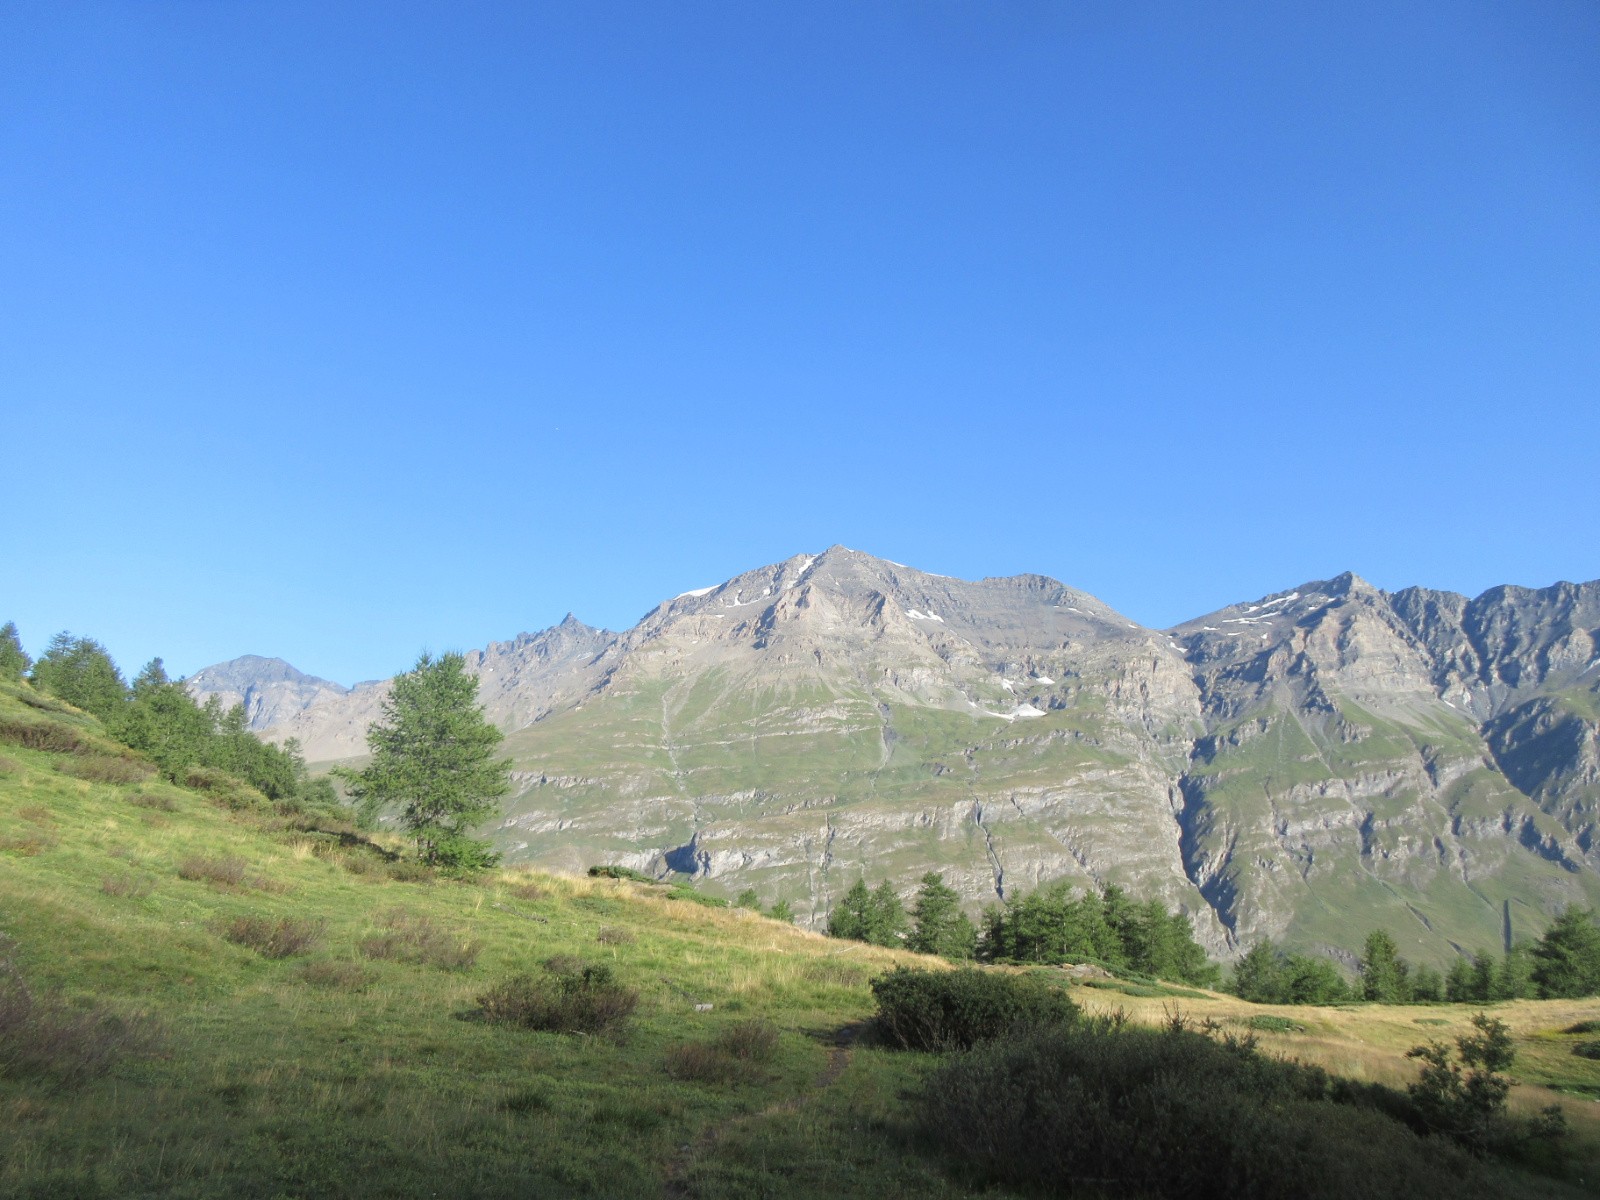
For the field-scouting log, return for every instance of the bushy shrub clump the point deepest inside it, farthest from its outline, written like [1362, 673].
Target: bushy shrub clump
[1173, 1113]
[106, 768]
[53, 737]
[570, 997]
[274, 937]
[224, 871]
[953, 1010]
[412, 937]
[729, 1056]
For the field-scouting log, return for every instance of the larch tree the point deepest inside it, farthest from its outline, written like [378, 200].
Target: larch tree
[433, 759]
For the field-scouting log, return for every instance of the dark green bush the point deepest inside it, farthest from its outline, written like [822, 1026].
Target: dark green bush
[569, 997]
[1172, 1113]
[952, 1010]
[1587, 1049]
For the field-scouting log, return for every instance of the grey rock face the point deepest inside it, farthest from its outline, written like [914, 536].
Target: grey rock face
[1303, 767]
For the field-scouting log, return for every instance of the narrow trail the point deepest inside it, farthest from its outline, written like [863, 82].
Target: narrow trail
[678, 1184]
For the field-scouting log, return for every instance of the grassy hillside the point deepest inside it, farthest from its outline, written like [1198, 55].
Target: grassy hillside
[354, 1067]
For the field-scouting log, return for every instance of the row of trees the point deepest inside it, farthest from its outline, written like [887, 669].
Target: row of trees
[1564, 963]
[157, 716]
[1049, 925]
[432, 764]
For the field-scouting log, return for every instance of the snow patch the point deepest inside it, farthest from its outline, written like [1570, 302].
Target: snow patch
[1006, 683]
[1027, 710]
[923, 616]
[697, 592]
[1045, 679]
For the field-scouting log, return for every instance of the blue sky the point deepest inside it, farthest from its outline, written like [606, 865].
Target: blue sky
[337, 331]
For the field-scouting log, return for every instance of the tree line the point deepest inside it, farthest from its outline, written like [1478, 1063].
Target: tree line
[1052, 924]
[157, 716]
[1563, 963]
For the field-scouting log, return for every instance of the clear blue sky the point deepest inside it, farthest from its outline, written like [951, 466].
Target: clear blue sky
[334, 331]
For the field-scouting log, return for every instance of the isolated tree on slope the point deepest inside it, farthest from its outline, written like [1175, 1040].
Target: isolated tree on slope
[433, 756]
[14, 660]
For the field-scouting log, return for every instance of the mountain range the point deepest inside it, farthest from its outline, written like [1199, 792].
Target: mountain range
[1303, 766]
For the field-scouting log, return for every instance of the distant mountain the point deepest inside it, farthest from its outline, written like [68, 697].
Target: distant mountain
[1302, 766]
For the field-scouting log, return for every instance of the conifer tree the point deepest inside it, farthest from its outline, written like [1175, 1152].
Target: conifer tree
[849, 917]
[1567, 958]
[433, 757]
[886, 917]
[781, 912]
[14, 660]
[80, 671]
[938, 924]
[1384, 974]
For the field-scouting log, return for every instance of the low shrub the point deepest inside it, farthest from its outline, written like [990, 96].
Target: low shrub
[410, 871]
[127, 887]
[226, 871]
[411, 937]
[9, 766]
[567, 998]
[106, 768]
[755, 1040]
[612, 936]
[160, 801]
[953, 1010]
[1583, 1027]
[52, 737]
[1587, 1049]
[274, 937]
[345, 976]
[224, 789]
[620, 873]
[527, 891]
[42, 1035]
[27, 845]
[698, 1062]
[1172, 1113]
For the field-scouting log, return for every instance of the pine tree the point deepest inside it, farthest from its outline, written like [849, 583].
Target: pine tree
[433, 757]
[14, 660]
[849, 917]
[1514, 980]
[781, 912]
[1258, 976]
[886, 917]
[1458, 982]
[1567, 958]
[1383, 972]
[938, 924]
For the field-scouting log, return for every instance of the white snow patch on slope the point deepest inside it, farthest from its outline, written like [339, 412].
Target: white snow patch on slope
[1045, 679]
[922, 616]
[698, 591]
[1027, 710]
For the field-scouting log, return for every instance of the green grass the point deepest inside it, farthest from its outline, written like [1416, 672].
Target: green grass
[358, 1065]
